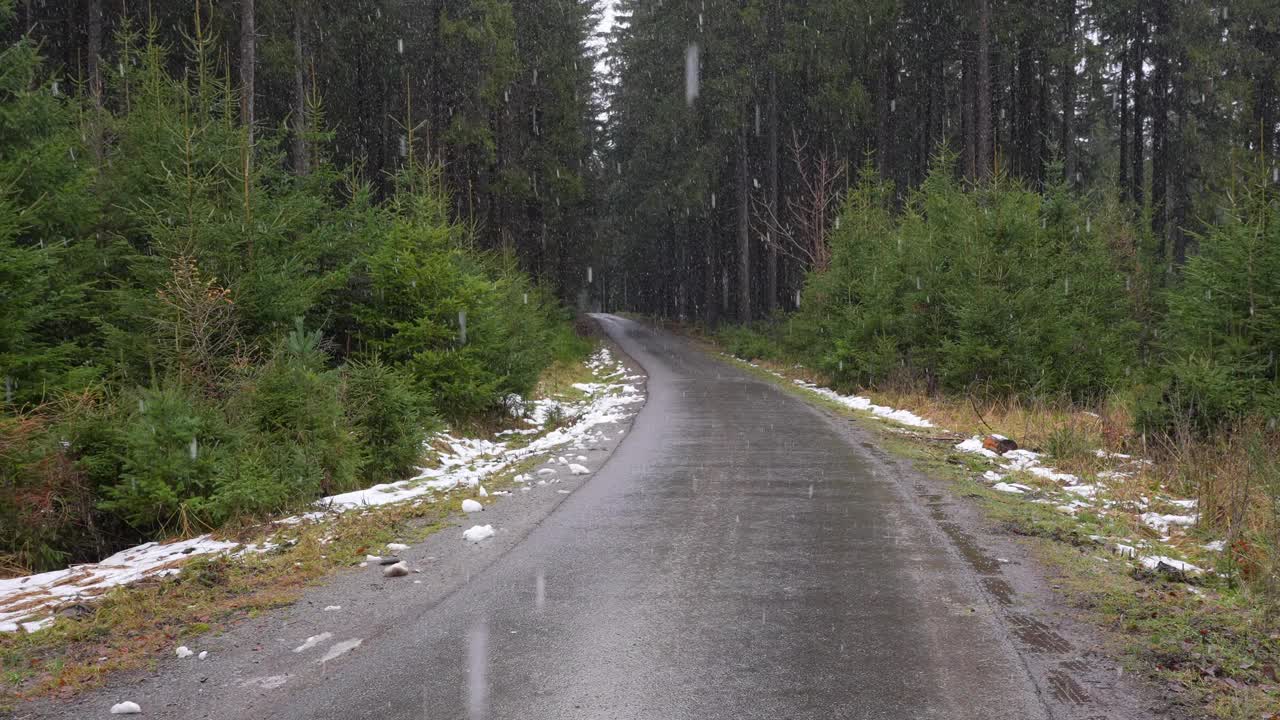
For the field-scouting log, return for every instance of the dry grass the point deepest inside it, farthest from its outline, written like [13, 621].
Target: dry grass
[1235, 476]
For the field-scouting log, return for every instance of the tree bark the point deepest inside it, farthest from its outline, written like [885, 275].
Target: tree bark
[1160, 130]
[1126, 192]
[968, 96]
[884, 115]
[711, 306]
[301, 152]
[744, 234]
[1179, 200]
[1068, 141]
[771, 261]
[248, 49]
[1139, 134]
[94, 76]
[984, 149]
[1024, 106]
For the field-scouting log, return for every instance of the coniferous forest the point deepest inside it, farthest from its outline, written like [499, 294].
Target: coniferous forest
[1068, 200]
[305, 233]
[252, 253]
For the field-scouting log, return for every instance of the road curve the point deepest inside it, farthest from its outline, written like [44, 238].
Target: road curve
[740, 555]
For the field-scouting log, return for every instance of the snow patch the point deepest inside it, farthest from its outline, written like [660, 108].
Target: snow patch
[476, 533]
[465, 464]
[1162, 523]
[1153, 562]
[858, 402]
[267, 682]
[24, 596]
[974, 445]
[313, 641]
[338, 649]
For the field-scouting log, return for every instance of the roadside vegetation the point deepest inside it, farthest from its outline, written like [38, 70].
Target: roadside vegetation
[1044, 317]
[197, 337]
[134, 626]
[1211, 641]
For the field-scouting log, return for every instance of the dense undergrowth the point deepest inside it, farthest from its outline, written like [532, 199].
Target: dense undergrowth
[193, 335]
[973, 306]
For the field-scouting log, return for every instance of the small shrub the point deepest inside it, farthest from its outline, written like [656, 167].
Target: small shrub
[1223, 327]
[168, 449]
[295, 406]
[246, 485]
[390, 417]
[748, 343]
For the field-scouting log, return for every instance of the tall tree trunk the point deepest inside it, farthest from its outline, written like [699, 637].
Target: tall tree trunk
[968, 96]
[1068, 141]
[1126, 192]
[1042, 116]
[1139, 155]
[1179, 200]
[94, 76]
[1024, 106]
[771, 261]
[301, 152]
[884, 116]
[1160, 127]
[1264, 105]
[248, 49]
[984, 148]
[710, 300]
[744, 234]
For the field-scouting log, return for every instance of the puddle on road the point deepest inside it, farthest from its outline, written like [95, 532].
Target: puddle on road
[1036, 635]
[999, 589]
[981, 562]
[1066, 689]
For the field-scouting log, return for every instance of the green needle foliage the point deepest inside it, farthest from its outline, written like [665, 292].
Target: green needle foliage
[195, 335]
[1222, 332]
[998, 290]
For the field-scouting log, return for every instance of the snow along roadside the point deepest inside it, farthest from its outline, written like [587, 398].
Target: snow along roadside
[1066, 493]
[27, 603]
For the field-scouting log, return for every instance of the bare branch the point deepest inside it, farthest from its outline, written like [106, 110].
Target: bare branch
[802, 236]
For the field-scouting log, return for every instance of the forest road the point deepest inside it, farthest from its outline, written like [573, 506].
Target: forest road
[741, 555]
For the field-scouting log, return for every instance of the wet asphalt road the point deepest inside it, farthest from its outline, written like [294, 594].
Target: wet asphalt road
[739, 555]
[735, 558]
